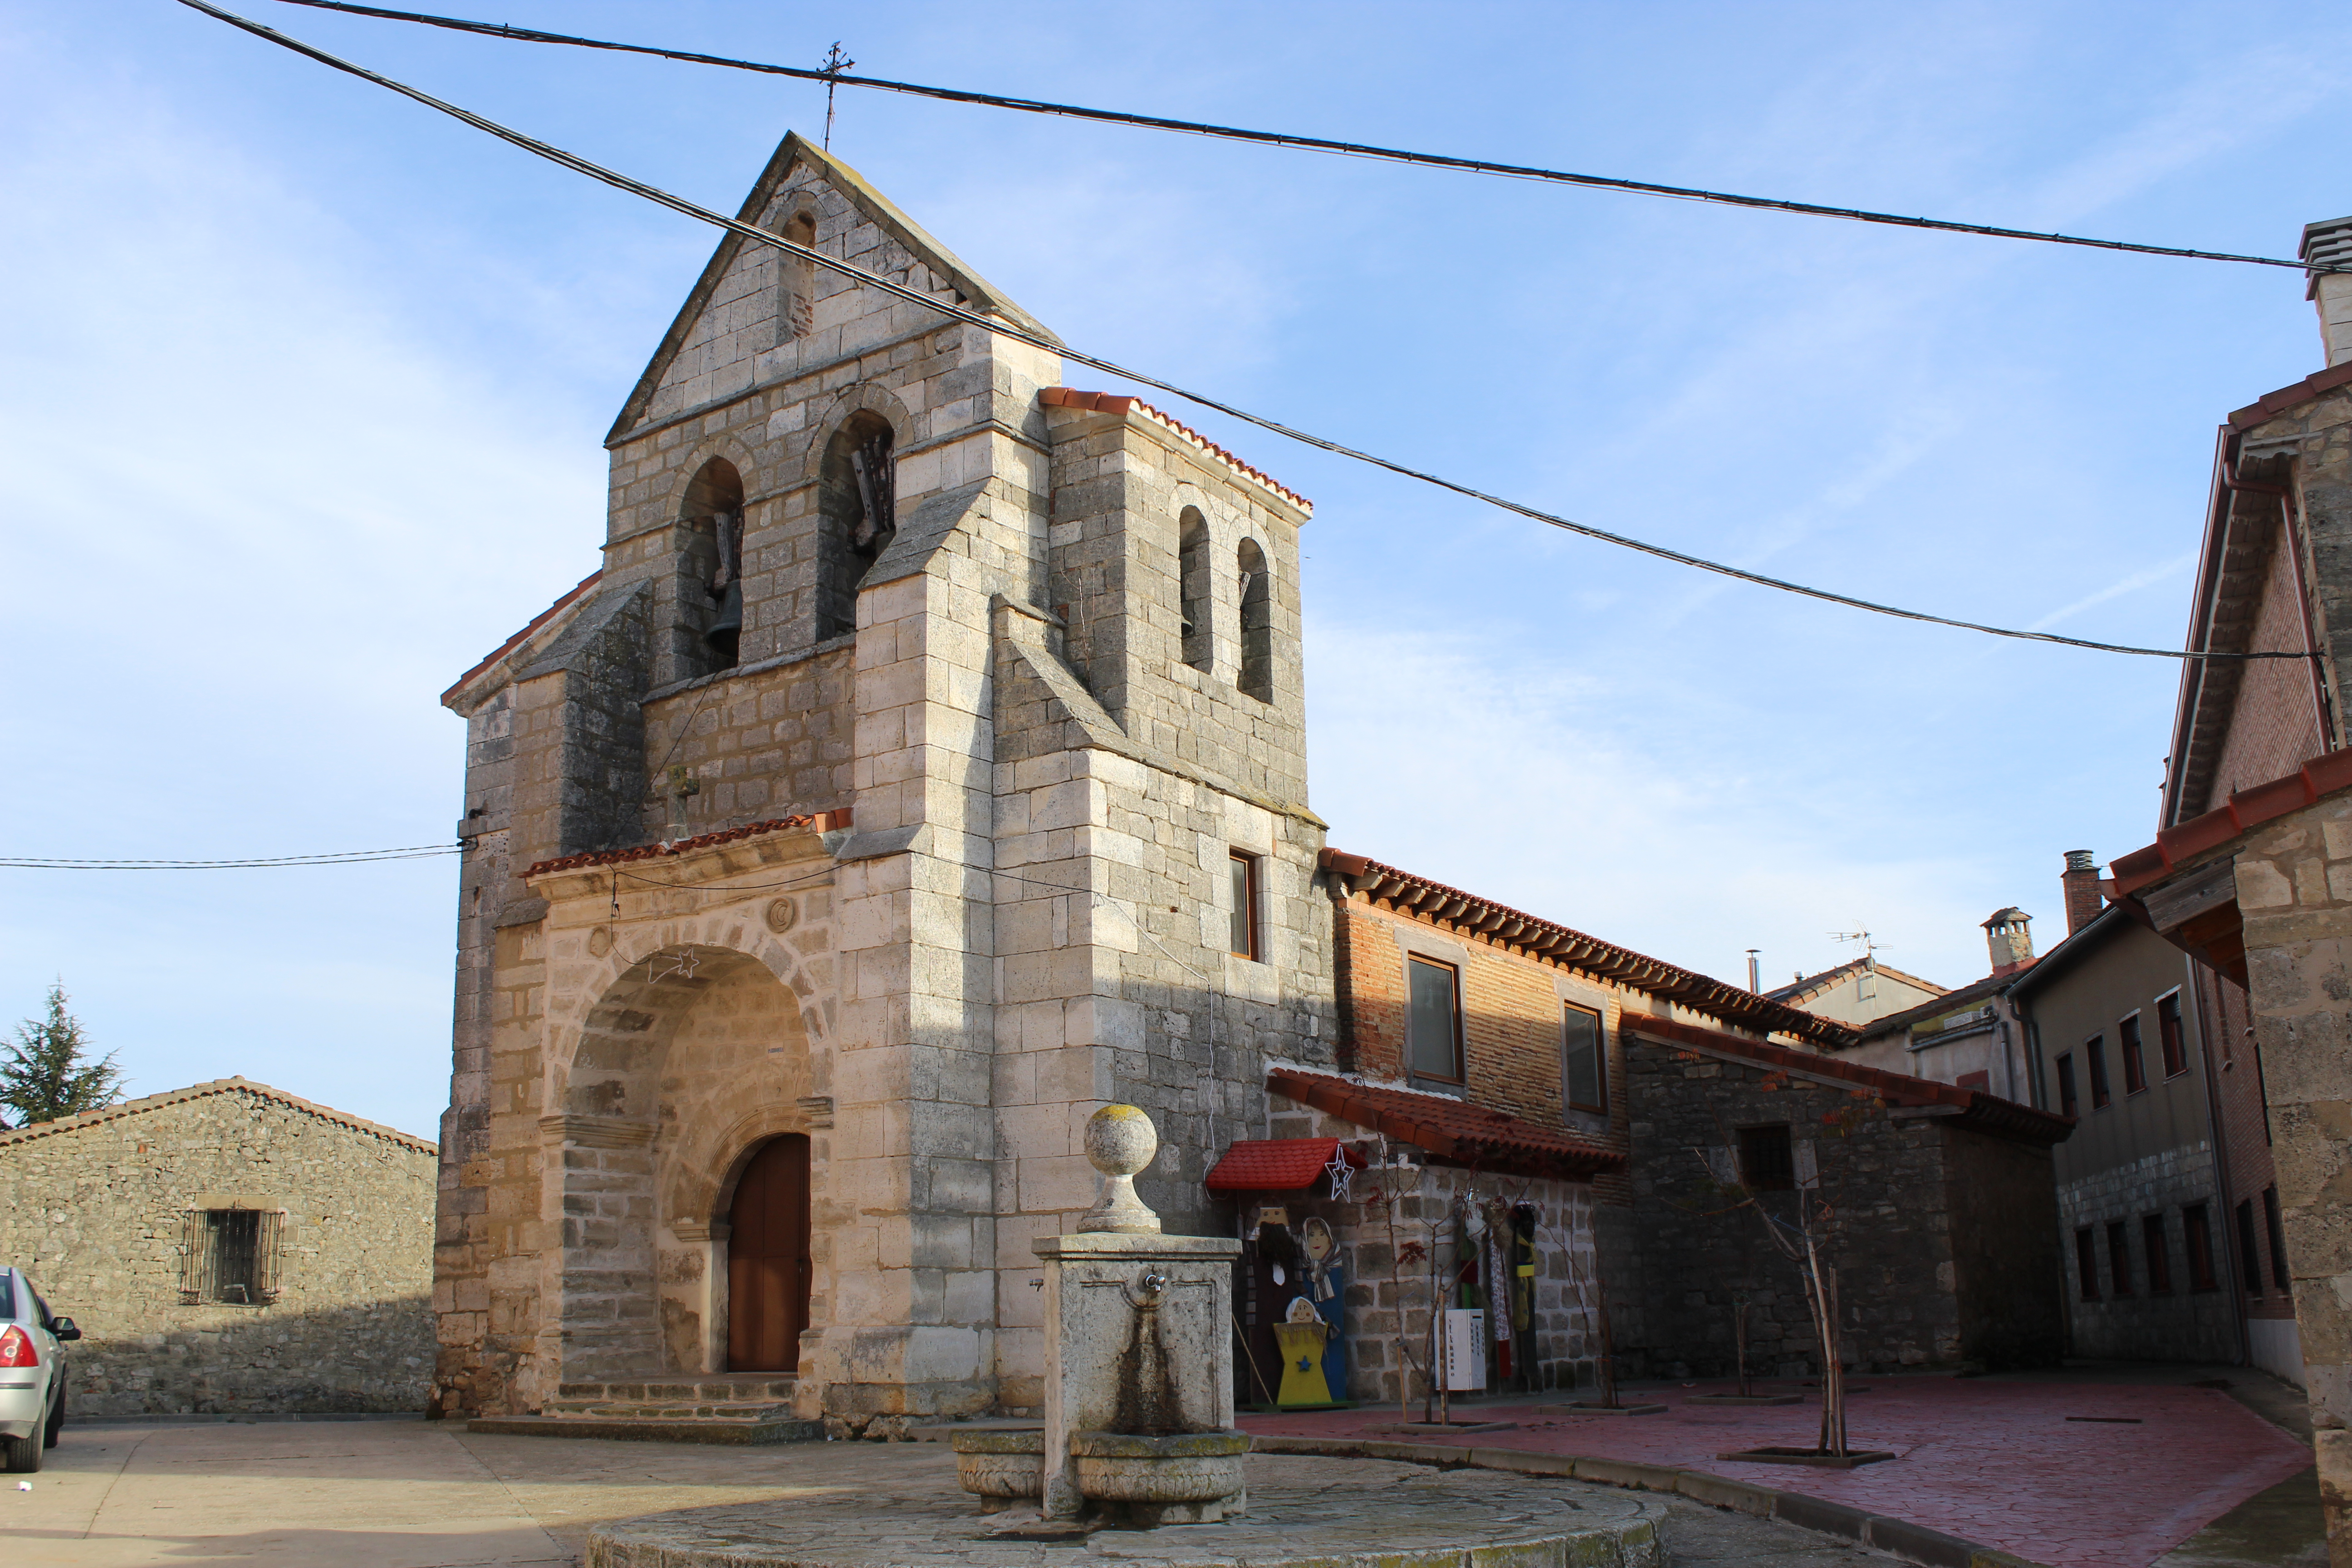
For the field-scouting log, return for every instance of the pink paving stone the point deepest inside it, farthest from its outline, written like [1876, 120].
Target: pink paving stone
[1993, 1462]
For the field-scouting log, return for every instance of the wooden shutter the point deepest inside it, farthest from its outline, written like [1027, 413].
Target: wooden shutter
[194, 1246]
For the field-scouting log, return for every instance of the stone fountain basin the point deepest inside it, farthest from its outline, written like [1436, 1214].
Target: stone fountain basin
[998, 1465]
[1185, 1467]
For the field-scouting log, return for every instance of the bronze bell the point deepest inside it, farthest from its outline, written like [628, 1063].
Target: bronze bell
[727, 630]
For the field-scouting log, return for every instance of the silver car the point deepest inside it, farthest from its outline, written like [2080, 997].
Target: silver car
[32, 1371]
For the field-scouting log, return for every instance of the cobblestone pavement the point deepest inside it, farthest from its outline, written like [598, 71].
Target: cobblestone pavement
[410, 1494]
[1993, 1460]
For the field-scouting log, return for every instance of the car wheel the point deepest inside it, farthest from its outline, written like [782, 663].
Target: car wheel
[57, 1418]
[22, 1454]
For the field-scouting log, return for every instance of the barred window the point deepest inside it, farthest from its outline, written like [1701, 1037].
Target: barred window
[1768, 1162]
[230, 1255]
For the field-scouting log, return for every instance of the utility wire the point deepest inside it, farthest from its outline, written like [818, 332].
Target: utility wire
[1306, 143]
[1006, 329]
[272, 862]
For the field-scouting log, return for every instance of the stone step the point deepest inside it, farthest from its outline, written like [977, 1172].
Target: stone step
[665, 1410]
[760, 1387]
[696, 1429]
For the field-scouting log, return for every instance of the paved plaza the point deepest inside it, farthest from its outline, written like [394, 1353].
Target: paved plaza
[413, 1494]
[2084, 1469]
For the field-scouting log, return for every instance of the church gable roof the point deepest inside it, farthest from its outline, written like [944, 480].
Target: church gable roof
[241, 1086]
[957, 283]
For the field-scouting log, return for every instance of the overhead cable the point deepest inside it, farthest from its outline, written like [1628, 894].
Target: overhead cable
[260, 862]
[1303, 143]
[1006, 329]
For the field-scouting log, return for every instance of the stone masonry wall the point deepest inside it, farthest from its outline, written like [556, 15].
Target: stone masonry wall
[1392, 1204]
[95, 1209]
[1690, 1257]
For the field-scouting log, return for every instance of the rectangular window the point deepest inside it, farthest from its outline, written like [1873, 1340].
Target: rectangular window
[1865, 985]
[2086, 1264]
[2250, 1250]
[2198, 1229]
[2119, 1258]
[1585, 1067]
[1243, 942]
[1768, 1163]
[2168, 1033]
[2095, 1051]
[2068, 1103]
[2127, 1045]
[2280, 1274]
[2159, 1257]
[229, 1256]
[1434, 1029]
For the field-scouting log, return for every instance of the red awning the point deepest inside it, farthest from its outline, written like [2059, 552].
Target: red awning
[1274, 1165]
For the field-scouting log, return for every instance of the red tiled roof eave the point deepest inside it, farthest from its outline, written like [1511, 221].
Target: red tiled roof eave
[823, 821]
[1485, 920]
[1450, 1128]
[1970, 1108]
[1274, 1165]
[1119, 402]
[517, 640]
[2248, 808]
[2271, 404]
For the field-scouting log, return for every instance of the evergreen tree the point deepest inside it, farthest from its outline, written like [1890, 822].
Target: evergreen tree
[43, 1076]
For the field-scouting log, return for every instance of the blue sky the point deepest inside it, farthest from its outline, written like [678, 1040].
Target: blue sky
[304, 389]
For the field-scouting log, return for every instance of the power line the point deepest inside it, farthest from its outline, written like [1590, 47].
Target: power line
[832, 79]
[267, 862]
[1006, 329]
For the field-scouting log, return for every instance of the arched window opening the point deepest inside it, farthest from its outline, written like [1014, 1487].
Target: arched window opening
[857, 506]
[796, 281]
[712, 563]
[1192, 587]
[1257, 623]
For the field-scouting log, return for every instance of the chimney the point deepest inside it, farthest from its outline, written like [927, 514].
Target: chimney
[2329, 244]
[2010, 935]
[2081, 880]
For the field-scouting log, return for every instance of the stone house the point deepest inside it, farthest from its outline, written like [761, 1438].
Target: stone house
[1526, 1061]
[228, 1248]
[923, 769]
[2118, 1039]
[1859, 991]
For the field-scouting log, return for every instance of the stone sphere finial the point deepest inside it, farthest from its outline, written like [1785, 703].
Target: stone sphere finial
[1120, 1142]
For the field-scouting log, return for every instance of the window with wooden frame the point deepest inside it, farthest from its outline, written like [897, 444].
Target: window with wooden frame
[2281, 1275]
[1584, 1060]
[2127, 1046]
[2159, 1256]
[2086, 1264]
[1768, 1160]
[2171, 1041]
[2120, 1269]
[1242, 939]
[2250, 1249]
[2067, 1103]
[1433, 1022]
[2095, 1051]
[2197, 1226]
[230, 1257]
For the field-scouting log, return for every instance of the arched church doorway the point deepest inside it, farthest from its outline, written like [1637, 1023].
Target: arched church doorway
[768, 1259]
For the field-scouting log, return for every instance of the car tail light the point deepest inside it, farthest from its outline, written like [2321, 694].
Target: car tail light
[16, 1348]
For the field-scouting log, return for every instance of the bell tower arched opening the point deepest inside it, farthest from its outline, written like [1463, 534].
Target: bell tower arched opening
[857, 514]
[710, 568]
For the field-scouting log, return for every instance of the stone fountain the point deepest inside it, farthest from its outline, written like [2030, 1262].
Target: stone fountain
[1138, 1363]
[1138, 1464]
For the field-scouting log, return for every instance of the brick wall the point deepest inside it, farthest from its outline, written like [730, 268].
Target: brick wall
[2236, 1061]
[2273, 726]
[95, 1209]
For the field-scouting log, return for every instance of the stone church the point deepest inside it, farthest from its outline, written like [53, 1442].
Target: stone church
[924, 768]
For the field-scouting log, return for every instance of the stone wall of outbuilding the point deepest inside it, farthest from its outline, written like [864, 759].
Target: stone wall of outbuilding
[95, 1209]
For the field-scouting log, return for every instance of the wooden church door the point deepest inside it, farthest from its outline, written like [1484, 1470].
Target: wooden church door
[768, 1259]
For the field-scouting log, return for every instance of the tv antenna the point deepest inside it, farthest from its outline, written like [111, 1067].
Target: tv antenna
[832, 65]
[1870, 945]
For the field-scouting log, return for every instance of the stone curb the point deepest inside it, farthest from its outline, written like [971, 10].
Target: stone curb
[1912, 1543]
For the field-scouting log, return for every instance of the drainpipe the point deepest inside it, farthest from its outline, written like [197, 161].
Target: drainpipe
[2235, 1246]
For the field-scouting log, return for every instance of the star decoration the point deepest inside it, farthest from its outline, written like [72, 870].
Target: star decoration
[677, 965]
[1341, 1174]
